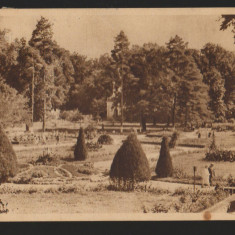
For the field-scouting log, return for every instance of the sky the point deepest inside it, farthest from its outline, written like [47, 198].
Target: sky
[91, 32]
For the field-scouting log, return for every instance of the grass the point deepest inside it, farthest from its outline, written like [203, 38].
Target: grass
[81, 194]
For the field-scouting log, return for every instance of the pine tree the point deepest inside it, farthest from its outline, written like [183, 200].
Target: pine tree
[164, 166]
[120, 55]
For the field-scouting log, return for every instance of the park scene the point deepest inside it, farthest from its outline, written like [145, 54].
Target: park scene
[139, 128]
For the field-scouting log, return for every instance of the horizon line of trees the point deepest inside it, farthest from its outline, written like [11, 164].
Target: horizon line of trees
[171, 83]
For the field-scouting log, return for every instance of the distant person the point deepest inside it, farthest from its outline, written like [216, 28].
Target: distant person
[57, 139]
[199, 135]
[211, 171]
[205, 177]
[209, 134]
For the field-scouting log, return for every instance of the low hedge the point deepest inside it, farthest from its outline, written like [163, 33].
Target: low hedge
[221, 155]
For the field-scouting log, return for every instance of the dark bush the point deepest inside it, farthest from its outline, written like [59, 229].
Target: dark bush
[80, 152]
[8, 160]
[174, 139]
[105, 139]
[164, 166]
[221, 155]
[130, 163]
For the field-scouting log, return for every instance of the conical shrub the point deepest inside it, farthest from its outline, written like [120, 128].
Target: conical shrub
[130, 162]
[8, 160]
[164, 166]
[80, 151]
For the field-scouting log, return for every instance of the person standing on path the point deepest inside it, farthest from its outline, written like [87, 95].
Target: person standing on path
[211, 174]
[205, 177]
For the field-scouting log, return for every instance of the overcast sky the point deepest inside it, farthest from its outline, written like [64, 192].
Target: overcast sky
[91, 32]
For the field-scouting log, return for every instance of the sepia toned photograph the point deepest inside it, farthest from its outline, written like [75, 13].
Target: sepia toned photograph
[117, 114]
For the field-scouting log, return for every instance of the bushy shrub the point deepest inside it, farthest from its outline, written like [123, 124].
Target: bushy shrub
[179, 174]
[130, 164]
[93, 146]
[174, 139]
[8, 160]
[90, 132]
[164, 166]
[71, 115]
[105, 139]
[80, 151]
[221, 155]
[38, 174]
[44, 160]
[87, 169]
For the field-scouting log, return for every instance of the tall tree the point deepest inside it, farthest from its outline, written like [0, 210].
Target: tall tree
[191, 95]
[42, 40]
[120, 55]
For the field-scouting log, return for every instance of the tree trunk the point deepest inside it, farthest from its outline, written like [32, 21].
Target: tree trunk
[143, 122]
[173, 110]
[33, 95]
[121, 130]
[186, 116]
[154, 121]
[44, 107]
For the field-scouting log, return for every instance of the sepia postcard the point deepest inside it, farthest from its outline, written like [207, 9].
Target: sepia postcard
[117, 114]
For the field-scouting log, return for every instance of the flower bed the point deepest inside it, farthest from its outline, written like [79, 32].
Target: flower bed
[221, 155]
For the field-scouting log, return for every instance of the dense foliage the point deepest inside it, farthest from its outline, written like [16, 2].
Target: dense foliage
[170, 83]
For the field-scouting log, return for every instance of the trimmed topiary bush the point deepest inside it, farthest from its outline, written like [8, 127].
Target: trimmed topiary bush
[8, 160]
[80, 151]
[105, 139]
[174, 139]
[130, 164]
[164, 166]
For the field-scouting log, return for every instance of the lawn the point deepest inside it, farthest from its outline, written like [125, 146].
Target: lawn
[67, 186]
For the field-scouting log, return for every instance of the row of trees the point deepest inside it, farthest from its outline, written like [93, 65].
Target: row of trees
[163, 83]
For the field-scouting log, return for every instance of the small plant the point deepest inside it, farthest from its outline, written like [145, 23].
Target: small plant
[38, 174]
[44, 159]
[3, 207]
[93, 146]
[105, 139]
[22, 180]
[87, 169]
[174, 139]
[160, 208]
[179, 174]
